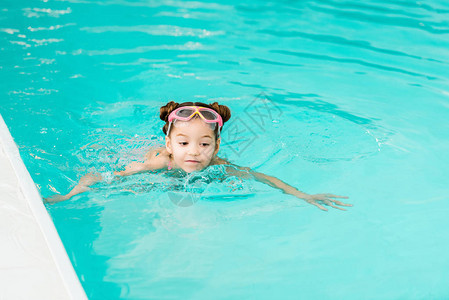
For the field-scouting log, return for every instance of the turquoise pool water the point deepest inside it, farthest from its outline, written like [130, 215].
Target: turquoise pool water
[359, 99]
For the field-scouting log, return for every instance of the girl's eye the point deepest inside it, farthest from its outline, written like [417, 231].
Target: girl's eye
[204, 144]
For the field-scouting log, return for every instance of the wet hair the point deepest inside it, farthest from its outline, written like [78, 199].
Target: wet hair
[222, 110]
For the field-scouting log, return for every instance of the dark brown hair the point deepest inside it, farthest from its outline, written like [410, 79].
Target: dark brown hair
[222, 110]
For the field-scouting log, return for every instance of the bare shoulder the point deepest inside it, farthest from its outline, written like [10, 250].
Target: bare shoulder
[221, 161]
[157, 158]
[154, 152]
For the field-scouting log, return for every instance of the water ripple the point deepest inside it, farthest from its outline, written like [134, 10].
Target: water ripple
[45, 12]
[9, 30]
[189, 46]
[374, 8]
[421, 5]
[352, 61]
[45, 42]
[271, 62]
[429, 26]
[52, 27]
[157, 3]
[158, 30]
[331, 39]
[315, 102]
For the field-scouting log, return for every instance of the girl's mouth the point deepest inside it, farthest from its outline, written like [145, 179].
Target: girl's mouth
[192, 161]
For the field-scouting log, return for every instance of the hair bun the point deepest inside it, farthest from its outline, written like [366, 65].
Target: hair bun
[222, 110]
[167, 109]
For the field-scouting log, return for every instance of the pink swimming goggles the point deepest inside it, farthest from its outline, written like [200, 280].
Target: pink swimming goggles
[185, 113]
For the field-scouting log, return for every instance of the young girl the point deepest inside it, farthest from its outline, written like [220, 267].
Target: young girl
[192, 140]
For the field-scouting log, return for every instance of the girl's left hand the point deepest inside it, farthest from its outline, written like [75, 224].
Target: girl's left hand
[326, 199]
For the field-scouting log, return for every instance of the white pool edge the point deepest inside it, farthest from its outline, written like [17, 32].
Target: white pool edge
[33, 197]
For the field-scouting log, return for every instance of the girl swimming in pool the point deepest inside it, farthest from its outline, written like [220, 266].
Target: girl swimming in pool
[192, 140]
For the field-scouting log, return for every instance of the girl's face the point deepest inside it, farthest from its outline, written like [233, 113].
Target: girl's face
[192, 144]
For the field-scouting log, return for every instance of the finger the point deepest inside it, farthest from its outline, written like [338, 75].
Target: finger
[340, 203]
[330, 204]
[319, 206]
[336, 196]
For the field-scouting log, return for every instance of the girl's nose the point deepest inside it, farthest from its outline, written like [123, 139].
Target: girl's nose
[194, 150]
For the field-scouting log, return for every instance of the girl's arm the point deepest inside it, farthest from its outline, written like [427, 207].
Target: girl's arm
[152, 162]
[286, 188]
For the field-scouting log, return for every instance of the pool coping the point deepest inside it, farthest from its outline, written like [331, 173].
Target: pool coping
[43, 219]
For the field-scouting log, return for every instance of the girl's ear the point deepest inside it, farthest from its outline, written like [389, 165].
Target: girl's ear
[217, 146]
[168, 145]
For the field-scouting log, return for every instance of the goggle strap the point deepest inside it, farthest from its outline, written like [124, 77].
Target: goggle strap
[168, 130]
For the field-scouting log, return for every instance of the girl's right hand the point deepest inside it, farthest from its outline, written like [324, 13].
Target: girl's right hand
[56, 198]
[82, 186]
